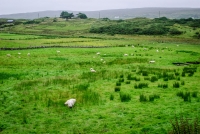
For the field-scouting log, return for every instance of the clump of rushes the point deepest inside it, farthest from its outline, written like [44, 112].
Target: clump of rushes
[129, 77]
[176, 85]
[184, 126]
[111, 97]
[163, 85]
[121, 76]
[194, 94]
[117, 89]
[185, 96]
[145, 73]
[121, 80]
[125, 97]
[182, 82]
[128, 82]
[153, 79]
[141, 85]
[118, 83]
[143, 98]
[153, 97]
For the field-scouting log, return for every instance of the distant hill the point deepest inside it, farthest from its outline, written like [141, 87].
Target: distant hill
[118, 13]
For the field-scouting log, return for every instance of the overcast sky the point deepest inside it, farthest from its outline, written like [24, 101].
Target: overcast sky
[23, 6]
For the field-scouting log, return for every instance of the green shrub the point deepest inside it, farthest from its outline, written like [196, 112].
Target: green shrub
[121, 76]
[146, 78]
[129, 77]
[136, 78]
[171, 76]
[176, 85]
[153, 79]
[178, 78]
[121, 80]
[128, 82]
[125, 97]
[183, 74]
[151, 98]
[194, 94]
[185, 96]
[144, 73]
[180, 94]
[182, 82]
[118, 83]
[163, 85]
[143, 98]
[117, 89]
[191, 74]
[165, 74]
[165, 79]
[184, 126]
[174, 31]
[177, 73]
[111, 97]
[141, 85]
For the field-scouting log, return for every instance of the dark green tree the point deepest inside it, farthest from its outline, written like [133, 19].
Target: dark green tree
[81, 16]
[66, 15]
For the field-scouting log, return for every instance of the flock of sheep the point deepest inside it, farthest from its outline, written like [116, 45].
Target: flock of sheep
[71, 102]
[9, 55]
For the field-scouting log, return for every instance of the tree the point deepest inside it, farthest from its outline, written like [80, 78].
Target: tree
[81, 16]
[66, 15]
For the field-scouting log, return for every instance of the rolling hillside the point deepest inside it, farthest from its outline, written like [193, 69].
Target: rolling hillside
[118, 13]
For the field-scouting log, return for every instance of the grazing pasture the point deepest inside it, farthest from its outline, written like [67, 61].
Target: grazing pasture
[126, 94]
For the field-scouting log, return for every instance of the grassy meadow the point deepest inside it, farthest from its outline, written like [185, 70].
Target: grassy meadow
[127, 94]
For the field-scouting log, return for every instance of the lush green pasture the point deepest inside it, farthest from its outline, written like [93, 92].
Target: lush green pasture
[33, 88]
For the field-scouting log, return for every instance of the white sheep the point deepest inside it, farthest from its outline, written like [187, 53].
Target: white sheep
[125, 54]
[98, 53]
[157, 50]
[58, 51]
[92, 70]
[70, 103]
[19, 53]
[152, 61]
[9, 55]
[28, 54]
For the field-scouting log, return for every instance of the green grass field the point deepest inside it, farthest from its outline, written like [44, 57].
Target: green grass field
[127, 94]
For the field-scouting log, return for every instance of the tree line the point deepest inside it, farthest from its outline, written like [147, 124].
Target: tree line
[66, 15]
[157, 26]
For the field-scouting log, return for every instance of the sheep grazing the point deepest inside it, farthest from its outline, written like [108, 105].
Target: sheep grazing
[98, 53]
[58, 51]
[92, 70]
[28, 54]
[8, 55]
[152, 61]
[70, 103]
[125, 54]
[19, 53]
[157, 50]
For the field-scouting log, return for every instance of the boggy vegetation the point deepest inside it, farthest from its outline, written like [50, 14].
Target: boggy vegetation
[126, 94]
[157, 26]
